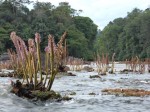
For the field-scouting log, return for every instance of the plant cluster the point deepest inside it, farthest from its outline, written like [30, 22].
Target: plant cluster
[27, 62]
[76, 64]
[102, 64]
[137, 65]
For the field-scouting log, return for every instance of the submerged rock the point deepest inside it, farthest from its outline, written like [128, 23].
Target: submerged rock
[70, 74]
[111, 72]
[94, 76]
[66, 98]
[104, 73]
[92, 93]
[72, 93]
[125, 71]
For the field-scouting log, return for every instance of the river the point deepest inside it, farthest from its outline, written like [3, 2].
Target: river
[82, 101]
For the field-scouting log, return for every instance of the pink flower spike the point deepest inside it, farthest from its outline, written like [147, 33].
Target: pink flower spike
[30, 42]
[47, 49]
[12, 34]
[37, 38]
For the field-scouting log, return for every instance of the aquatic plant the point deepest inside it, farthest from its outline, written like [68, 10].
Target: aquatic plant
[5, 65]
[112, 64]
[76, 64]
[27, 60]
[136, 65]
[102, 64]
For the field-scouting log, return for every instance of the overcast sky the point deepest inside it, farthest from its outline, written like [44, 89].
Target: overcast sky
[103, 11]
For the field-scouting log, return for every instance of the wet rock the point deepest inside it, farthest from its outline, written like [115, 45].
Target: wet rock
[103, 73]
[20, 91]
[45, 95]
[94, 76]
[26, 91]
[88, 69]
[63, 68]
[125, 71]
[127, 92]
[111, 72]
[70, 74]
[72, 93]
[92, 93]
[66, 98]
[43, 72]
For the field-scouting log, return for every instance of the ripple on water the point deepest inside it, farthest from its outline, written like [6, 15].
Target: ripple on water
[82, 101]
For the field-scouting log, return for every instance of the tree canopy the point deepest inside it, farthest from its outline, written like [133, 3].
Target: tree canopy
[45, 19]
[127, 37]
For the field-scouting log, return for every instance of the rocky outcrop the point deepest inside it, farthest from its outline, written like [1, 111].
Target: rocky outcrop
[27, 91]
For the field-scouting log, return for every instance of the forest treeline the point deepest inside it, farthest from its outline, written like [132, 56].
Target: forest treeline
[126, 37]
[45, 18]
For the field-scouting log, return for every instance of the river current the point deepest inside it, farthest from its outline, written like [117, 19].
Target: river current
[82, 85]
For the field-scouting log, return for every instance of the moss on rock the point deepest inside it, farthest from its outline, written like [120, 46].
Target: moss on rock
[45, 95]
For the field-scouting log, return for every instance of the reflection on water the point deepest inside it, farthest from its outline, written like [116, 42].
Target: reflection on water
[82, 101]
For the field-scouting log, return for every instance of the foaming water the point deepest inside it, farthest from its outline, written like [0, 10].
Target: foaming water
[82, 101]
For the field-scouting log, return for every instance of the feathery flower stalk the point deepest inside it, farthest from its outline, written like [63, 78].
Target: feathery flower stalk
[24, 62]
[51, 63]
[37, 40]
[46, 62]
[112, 66]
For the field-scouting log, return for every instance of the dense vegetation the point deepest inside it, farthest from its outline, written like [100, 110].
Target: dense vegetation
[127, 37]
[45, 19]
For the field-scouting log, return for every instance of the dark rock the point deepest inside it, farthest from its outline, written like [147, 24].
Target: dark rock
[103, 73]
[111, 72]
[92, 93]
[70, 74]
[66, 98]
[125, 71]
[26, 91]
[72, 93]
[63, 68]
[94, 76]
[20, 91]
